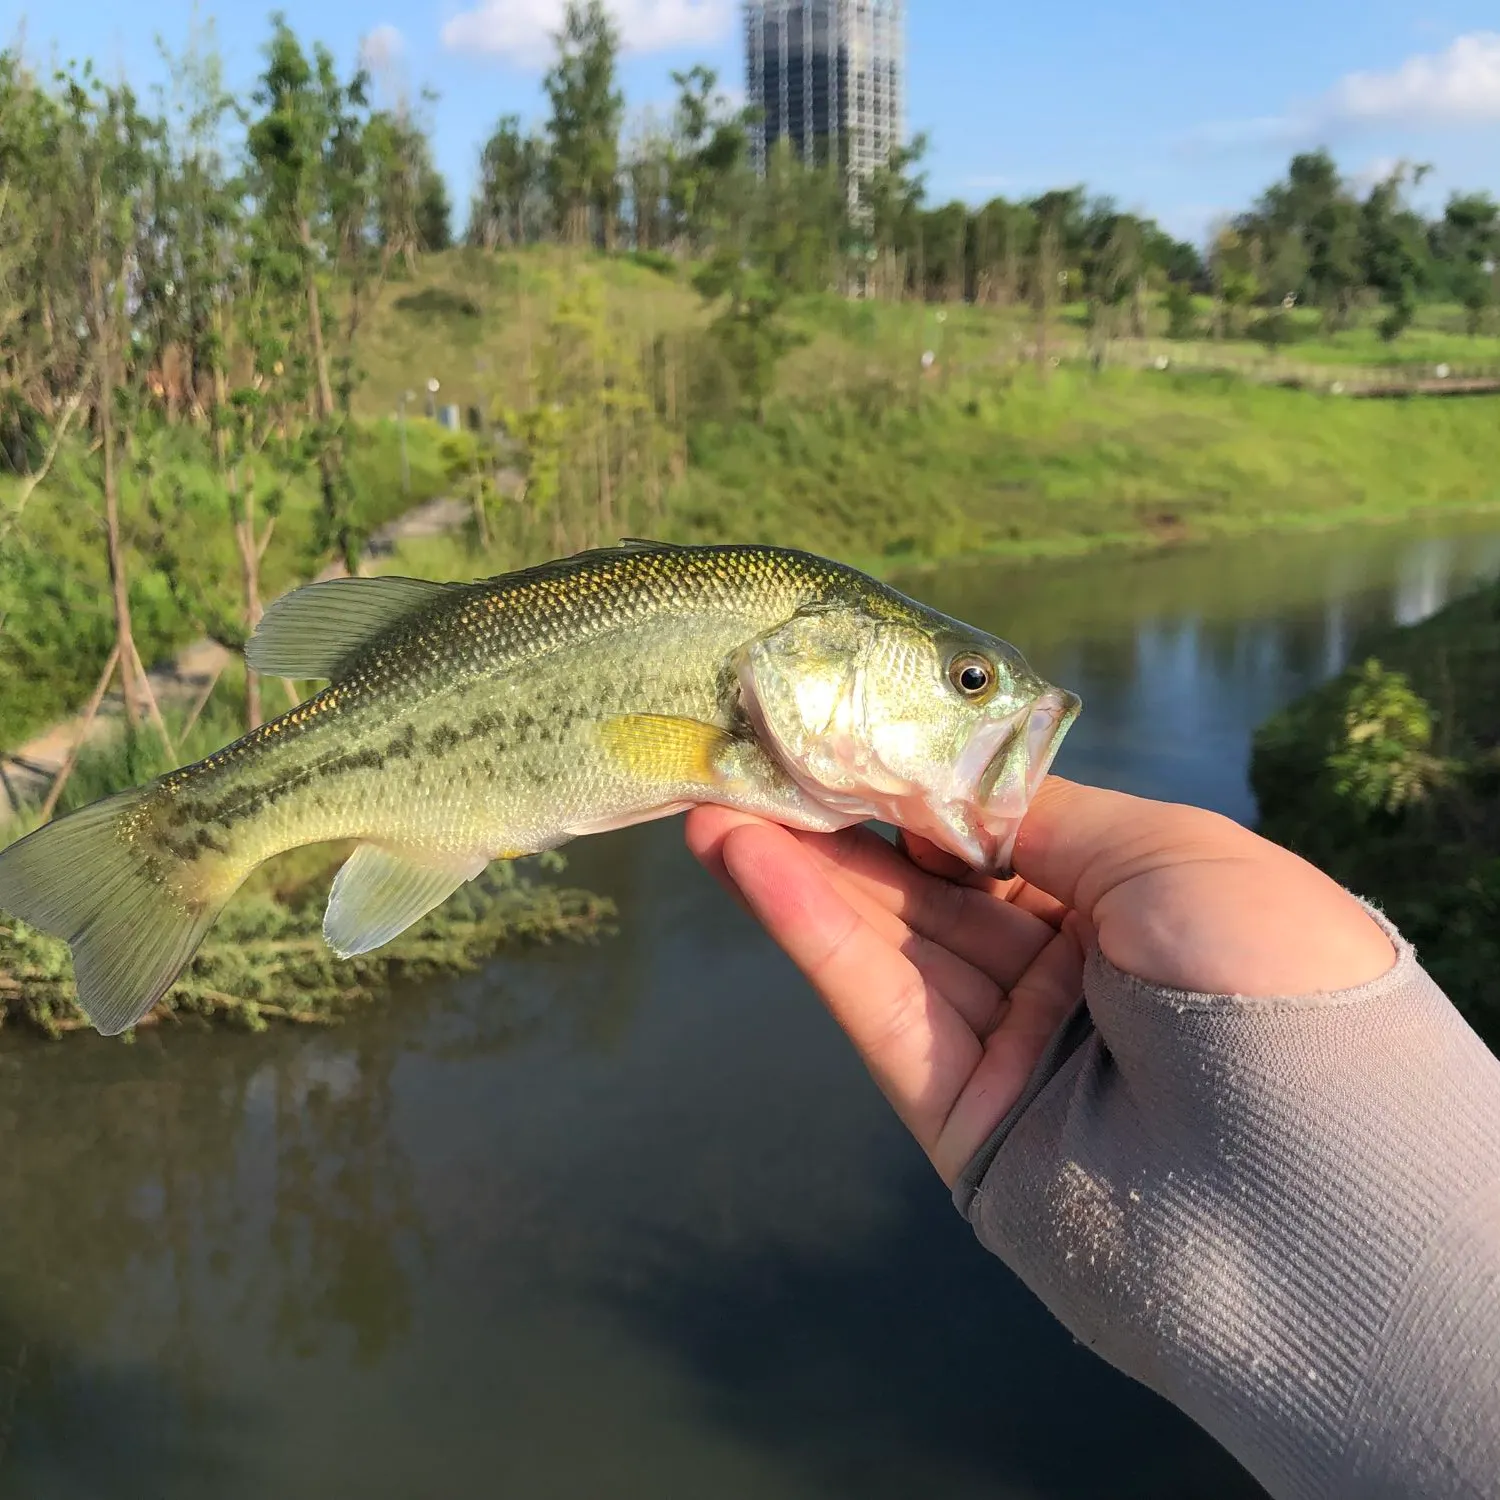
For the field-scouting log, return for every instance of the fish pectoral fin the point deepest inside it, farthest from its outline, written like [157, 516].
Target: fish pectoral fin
[666, 751]
[380, 891]
[312, 631]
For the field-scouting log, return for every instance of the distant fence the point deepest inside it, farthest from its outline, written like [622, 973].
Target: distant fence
[1413, 379]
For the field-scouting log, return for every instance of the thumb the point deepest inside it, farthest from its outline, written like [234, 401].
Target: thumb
[1079, 842]
[1186, 898]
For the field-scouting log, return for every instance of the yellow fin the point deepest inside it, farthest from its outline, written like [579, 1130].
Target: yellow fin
[663, 750]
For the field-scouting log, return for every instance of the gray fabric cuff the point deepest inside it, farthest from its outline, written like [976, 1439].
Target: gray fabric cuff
[1071, 1035]
[1281, 1214]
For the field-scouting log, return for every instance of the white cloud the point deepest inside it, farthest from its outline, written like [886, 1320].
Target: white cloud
[380, 49]
[521, 31]
[1458, 86]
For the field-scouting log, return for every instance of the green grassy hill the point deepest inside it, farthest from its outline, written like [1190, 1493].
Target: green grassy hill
[863, 454]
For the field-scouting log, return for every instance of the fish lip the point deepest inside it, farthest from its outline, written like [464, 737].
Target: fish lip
[1047, 720]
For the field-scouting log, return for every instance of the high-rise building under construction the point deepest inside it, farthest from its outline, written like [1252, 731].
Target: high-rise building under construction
[829, 76]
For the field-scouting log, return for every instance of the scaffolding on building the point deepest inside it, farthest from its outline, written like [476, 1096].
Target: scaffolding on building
[829, 76]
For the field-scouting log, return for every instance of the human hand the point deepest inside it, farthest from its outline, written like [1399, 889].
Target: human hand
[950, 985]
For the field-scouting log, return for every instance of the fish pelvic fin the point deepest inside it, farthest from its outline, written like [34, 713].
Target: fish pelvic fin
[129, 910]
[663, 750]
[381, 890]
[312, 632]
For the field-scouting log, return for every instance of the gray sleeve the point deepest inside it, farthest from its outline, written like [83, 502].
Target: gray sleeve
[1281, 1215]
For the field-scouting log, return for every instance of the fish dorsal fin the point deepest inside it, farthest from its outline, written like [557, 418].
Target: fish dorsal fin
[576, 562]
[380, 891]
[313, 631]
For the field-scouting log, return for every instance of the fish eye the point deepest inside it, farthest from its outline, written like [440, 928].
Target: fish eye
[973, 676]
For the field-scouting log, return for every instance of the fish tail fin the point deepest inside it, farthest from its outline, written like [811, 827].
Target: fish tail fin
[85, 879]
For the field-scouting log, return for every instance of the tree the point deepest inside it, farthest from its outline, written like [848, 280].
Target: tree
[42, 354]
[434, 210]
[512, 177]
[648, 175]
[1115, 271]
[186, 264]
[1311, 223]
[314, 196]
[1393, 250]
[943, 236]
[584, 127]
[889, 204]
[289, 147]
[1468, 240]
[108, 137]
[707, 151]
[1232, 274]
[797, 229]
[1002, 231]
[1056, 235]
[748, 329]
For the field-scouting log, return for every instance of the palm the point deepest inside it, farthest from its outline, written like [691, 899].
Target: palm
[949, 984]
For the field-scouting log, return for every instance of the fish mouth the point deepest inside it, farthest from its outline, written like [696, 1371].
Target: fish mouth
[1016, 772]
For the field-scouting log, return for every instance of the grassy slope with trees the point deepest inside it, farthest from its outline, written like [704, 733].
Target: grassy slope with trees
[210, 306]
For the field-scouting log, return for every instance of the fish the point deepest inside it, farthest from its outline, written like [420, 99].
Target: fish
[468, 722]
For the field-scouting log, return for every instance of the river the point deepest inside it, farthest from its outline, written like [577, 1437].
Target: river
[626, 1220]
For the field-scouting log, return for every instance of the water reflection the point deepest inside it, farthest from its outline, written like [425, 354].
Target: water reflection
[194, 1215]
[899, 1363]
[625, 1219]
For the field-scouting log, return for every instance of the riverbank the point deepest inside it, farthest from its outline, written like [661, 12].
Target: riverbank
[1389, 778]
[898, 435]
[266, 962]
[1007, 466]
[601, 381]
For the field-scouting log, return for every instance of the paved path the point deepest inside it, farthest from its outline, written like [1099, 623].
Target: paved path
[27, 772]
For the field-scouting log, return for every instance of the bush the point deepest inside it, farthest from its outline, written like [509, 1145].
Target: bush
[1182, 312]
[659, 261]
[1380, 760]
[1348, 777]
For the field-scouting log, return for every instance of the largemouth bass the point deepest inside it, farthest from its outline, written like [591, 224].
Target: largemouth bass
[468, 722]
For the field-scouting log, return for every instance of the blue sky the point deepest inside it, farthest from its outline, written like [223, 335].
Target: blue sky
[1183, 110]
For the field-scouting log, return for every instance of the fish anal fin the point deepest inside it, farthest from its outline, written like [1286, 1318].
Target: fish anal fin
[664, 750]
[313, 631]
[381, 890]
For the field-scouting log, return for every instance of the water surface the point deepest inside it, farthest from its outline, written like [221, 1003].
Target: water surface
[628, 1220]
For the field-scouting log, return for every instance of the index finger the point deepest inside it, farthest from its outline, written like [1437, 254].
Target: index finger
[915, 1043]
